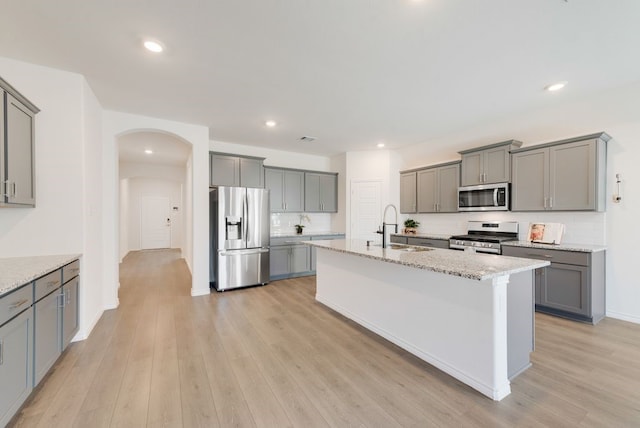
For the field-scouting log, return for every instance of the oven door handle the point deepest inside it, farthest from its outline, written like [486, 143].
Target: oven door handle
[495, 197]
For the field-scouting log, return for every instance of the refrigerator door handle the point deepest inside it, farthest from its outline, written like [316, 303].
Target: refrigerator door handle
[243, 252]
[246, 216]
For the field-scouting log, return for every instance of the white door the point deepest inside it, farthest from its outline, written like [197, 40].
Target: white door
[155, 222]
[366, 196]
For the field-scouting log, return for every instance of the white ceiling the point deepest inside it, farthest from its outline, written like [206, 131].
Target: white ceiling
[350, 72]
[167, 150]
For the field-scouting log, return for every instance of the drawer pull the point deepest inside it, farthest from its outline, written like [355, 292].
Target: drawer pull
[52, 283]
[1, 352]
[17, 304]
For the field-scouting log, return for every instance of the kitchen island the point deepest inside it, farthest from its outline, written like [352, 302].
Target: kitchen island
[470, 315]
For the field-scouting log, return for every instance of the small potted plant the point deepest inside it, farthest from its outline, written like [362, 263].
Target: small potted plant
[299, 228]
[411, 226]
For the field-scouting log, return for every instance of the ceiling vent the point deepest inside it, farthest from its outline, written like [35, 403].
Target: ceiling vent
[308, 139]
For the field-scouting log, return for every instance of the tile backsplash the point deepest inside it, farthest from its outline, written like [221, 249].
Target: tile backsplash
[581, 227]
[313, 222]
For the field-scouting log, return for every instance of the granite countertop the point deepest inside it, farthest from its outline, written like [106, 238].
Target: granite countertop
[18, 271]
[583, 248]
[424, 235]
[474, 266]
[309, 233]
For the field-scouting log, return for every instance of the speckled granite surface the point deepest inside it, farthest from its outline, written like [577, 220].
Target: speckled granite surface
[424, 235]
[458, 263]
[583, 248]
[17, 271]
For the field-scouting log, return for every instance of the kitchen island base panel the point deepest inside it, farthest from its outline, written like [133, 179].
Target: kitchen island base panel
[456, 324]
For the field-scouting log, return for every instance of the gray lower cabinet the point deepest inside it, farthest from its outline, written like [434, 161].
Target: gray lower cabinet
[437, 188]
[573, 286]
[47, 340]
[428, 242]
[286, 189]
[408, 192]
[232, 170]
[320, 192]
[397, 239]
[16, 351]
[289, 258]
[37, 322]
[420, 241]
[17, 146]
[567, 175]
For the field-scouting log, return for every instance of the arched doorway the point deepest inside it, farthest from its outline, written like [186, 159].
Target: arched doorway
[196, 195]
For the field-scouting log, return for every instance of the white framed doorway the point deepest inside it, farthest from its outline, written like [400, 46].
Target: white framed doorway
[155, 222]
[366, 206]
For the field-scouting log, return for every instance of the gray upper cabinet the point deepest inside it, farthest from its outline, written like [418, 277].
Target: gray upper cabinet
[320, 192]
[17, 147]
[408, 192]
[286, 189]
[568, 175]
[251, 172]
[488, 164]
[232, 170]
[437, 188]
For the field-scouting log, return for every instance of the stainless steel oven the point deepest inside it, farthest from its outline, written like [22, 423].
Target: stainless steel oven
[485, 197]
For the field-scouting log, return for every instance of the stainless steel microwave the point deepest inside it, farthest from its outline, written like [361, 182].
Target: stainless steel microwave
[484, 197]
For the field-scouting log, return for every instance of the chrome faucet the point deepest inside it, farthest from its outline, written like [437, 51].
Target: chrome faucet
[385, 224]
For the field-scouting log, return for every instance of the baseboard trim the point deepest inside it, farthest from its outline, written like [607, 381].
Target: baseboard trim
[624, 317]
[497, 393]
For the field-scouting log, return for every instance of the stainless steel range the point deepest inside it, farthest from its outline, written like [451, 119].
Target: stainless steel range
[485, 236]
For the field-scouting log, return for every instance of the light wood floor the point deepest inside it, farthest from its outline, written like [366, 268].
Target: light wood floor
[273, 357]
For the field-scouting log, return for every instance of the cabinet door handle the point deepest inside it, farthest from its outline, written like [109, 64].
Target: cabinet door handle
[5, 192]
[68, 299]
[60, 299]
[1, 352]
[17, 304]
[550, 202]
[545, 203]
[15, 189]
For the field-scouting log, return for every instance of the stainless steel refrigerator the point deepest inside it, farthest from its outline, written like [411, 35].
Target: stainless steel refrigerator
[239, 237]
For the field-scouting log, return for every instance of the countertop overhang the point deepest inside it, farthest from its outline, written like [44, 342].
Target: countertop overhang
[464, 264]
[18, 271]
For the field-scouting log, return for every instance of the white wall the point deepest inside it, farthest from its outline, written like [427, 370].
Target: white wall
[123, 215]
[91, 304]
[274, 157]
[613, 111]
[68, 214]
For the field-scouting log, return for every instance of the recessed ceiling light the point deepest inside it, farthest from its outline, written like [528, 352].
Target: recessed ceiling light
[380, 145]
[556, 86]
[153, 46]
[148, 151]
[270, 123]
